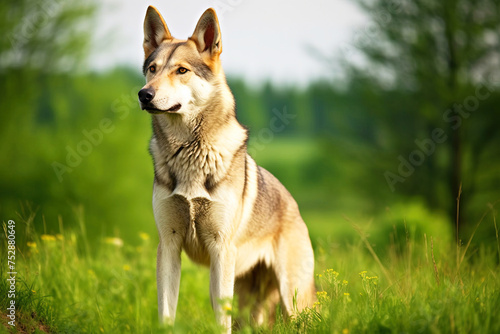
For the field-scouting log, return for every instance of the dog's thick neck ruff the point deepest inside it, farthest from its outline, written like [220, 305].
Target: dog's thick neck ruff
[199, 150]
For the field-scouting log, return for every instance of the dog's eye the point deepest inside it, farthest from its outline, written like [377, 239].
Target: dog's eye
[152, 69]
[182, 70]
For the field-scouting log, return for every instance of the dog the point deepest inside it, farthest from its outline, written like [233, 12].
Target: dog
[210, 198]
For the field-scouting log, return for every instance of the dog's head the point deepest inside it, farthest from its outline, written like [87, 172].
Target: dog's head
[181, 75]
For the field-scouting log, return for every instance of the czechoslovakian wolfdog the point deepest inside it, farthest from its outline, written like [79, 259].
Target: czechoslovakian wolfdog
[210, 198]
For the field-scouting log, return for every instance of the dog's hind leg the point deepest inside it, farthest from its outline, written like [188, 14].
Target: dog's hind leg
[258, 296]
[295, 268]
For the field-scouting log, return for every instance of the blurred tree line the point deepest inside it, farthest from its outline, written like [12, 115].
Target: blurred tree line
[414, 119]
[439, 62]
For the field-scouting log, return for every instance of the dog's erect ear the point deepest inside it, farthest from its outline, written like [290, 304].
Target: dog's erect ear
[155, 31]
[207, 34]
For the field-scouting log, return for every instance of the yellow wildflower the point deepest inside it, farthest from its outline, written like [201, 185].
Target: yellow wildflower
[346, 294]
[344, 282]
[144, 236]
[321, 293]
[47, 237]
[126, 267]
[332, 272]
[31, 244]
[322, 296]
[59, 236]
[345, 331]
[114, 241]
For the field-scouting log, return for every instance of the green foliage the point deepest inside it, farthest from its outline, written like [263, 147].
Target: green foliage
[88, 152]
[434, 60]
[410, 221]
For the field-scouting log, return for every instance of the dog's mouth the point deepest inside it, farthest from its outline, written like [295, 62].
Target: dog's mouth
[153, 110]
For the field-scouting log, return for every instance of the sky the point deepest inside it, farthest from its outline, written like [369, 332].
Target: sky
[262, 40]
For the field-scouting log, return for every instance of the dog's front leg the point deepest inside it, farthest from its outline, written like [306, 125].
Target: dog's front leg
[168, 276]
[222, 266]
[172, 217]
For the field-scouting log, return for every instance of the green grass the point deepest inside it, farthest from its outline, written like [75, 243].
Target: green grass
[406, 282]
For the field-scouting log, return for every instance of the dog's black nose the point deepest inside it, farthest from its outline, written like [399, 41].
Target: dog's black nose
[146, 95]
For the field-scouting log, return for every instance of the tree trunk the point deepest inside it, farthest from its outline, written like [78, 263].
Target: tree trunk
[456, 138]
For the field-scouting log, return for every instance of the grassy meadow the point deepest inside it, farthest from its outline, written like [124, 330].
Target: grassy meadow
[414, 279]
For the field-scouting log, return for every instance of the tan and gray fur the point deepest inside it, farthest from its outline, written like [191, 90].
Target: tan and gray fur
[210, 199]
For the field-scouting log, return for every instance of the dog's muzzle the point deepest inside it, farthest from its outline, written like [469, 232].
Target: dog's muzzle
[146, 95]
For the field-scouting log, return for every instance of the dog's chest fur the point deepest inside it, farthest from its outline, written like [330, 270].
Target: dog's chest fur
[191, 169]
[191, 172]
